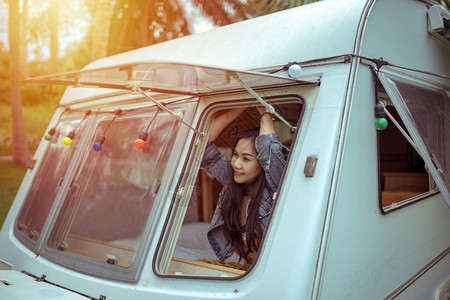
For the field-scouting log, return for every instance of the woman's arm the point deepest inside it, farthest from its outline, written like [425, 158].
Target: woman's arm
[266, 123]
[222, 121]
[216, 165]
[271, 156]
[270, 150]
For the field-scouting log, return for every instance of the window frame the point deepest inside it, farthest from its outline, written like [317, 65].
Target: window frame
[387, 77]
[74, 118]
[168, 238]
[100, 268]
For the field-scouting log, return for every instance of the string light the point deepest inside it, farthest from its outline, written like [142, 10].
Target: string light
[295, 71]
[98, 144]
[380, 121]
[49, 135]
[139, 143]
[69, 138]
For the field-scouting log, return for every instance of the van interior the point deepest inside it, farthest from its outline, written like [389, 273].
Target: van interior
[402, 171]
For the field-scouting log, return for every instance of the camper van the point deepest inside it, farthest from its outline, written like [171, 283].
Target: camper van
[119, 204]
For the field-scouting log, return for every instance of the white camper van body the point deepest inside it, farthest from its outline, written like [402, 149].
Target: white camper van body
[332, 233]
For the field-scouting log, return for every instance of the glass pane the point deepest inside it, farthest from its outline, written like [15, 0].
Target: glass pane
[168, 77]
[402, 170]
[426, 113]
[107, 207]
[48, 178]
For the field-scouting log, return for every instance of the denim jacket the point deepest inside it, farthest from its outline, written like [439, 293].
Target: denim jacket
[271, 158]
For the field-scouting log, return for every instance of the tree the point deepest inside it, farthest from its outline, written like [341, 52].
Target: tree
[138, 23]
[224, 12]
[21, 154]
[101, 23]
[53, 27]
[23, 39]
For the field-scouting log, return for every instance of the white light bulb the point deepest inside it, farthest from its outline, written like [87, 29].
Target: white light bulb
[295, 71]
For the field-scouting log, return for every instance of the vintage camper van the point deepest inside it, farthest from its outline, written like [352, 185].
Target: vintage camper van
[117, 205]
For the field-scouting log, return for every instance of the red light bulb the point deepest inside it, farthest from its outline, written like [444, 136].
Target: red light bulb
[139, 143]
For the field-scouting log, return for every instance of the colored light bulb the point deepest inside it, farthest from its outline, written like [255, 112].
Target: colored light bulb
[49, 134]
[139, 143]
[98, 145]
[381, 123]
[67, 141]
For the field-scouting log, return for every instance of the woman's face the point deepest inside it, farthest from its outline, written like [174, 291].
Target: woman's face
[244, 162]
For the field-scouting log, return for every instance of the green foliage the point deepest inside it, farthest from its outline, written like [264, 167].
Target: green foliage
[136, 24]
[34, 95]
[10, 179]
[36, 119]
[77, 55]
[224, 12]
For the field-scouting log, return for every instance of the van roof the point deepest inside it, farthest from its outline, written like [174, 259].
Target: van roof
[320, 30]
[269, 40]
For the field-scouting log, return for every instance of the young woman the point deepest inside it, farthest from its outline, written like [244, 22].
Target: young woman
[249, 181]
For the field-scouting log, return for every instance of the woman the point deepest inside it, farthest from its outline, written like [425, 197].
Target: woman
[249, 181]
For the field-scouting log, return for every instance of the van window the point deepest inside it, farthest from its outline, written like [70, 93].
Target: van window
[113, 191]
[403, 174]
[48, 179]
[184, 249]
[409, 170]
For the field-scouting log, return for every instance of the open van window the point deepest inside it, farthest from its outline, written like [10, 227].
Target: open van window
[416, 165]
[184, 249]
[403, 174]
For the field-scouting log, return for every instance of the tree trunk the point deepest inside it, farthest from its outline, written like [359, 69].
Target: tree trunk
[23, 39]
[53, 27]
[100, 34]
[21, 154]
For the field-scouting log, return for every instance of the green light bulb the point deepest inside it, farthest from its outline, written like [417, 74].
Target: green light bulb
[48, 137]
[381, 123]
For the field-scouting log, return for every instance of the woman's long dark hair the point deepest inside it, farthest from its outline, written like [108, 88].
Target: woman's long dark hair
[232, 204]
